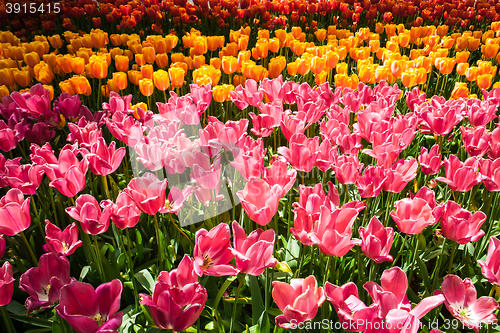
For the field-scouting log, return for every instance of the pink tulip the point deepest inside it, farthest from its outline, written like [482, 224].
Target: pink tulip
[178, 299]
[342, 300]
[476, 140]
[412, 215]
[89, 214]
[212, 252]
[68, 175]
[480, 113]
[148, 193]
[414, 98]
[205, 173]
[491, 267]
[260, 200]
[326, 155]
[273, 110]
[253, 254]
[401, 173]
[293, 123]
[376, 241]
[334, 230]
[299, 300]
[68, 105]
[263, 124]
[43, 283]
[3, 245]
[347, 169]
[371, 182]
[440, 118]
[460, 225]
[250, 95]
[14, 213]
[462, 302]
[201, 96]
[103, 160]
[385, 153]
[85, 133]
[278, 173]
[490, 170]
[302, 152]
[62, 242]
[91, 311]
[6, 284]
[249, 162]
[39, 133]
[428, 195]
[8, 138]
[125, 213]
[494, 151]
[176, 198]
[25, 177]
[312, 198]
[152, 154]
[125, 128]
[430, 161]
[272, 88]
[461, 176]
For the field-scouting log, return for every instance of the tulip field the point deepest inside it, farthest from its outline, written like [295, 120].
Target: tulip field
[249, 166]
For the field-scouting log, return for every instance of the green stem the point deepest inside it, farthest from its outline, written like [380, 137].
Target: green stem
[128, 253]
[30, 250]
[99, 262]
[400, 250]
[233, 318]
[414, 259]
[450, 266]
[106, 188]
[160, 254]
[435, 274]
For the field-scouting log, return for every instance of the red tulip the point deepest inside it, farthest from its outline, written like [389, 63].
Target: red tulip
[260, 200]
[412, 215]
[178, 299]
[14, 213]
[87, 211]
[62, 242]
[43, 283]
[212, 252]
[6, 284]
[299, 300]
[376, 241]
[91, 311]
[462, 302]
[148, 193]
[460, 225]
[253, 254]
[103, 160]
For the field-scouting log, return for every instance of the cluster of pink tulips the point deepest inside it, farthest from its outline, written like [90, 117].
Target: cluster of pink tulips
[302, 184]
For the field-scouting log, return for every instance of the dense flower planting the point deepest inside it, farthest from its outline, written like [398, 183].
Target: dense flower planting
[229, 166]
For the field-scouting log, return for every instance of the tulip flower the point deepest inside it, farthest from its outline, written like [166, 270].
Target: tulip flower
[299, 300]
[476, 140]
[302, 152]
[430, 161]
[67, 174]
[462, 302]
[376, 241]
[491, 267]
[103, 160]
[43, 283]
[212, 252]
[253, 254]
[6, 284]
[371, 182]
[62, 242]
[260, 200]
[89, 214]
[91, 311]
[25, 177]
[401, 173]
[461, 176]
[441, 118]
[460, 225]
[125, 213]
[178, 299]
[148, 193]
[8, 137]
[14, 213]
[412, 215]
[278, 173]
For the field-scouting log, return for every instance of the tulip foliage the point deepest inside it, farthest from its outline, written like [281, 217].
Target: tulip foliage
[250, 166]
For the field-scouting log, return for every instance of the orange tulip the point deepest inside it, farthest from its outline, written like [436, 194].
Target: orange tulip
[296, 32]
[460, 90]
[176, 76]
[484, 81]
[149, 54]
[222, 93]
[4, 91]
[317, 65]
[242, 43]
[409, 78]
[21, 78]
[292, 68]
[320, 34]
[442, 30]
[99, 38]
[177, 57]
[80, 85]
[229, 64]
[397, 68]
[274, 45]
[489, 51]
[421, 76]
[77, 65]
[161, 80]
[146, 87]
[404, 40]
[43, 73]
[366, 73]
[139, 59]
[212, 43]
[199, 61]
[471, 73]
[495, 26]
[147, 72]
[462, 57]
[66, 87]
[304, 66]
[55, 41]
[171, 41]
[98, 67]
[111, 86]
[120, 80]
[474, 44]
[485, 67]
[381, 73]
[161, 60]
[134, 77]
[216, 62]
[200, 45]
[121, 63]
[275, 68]
[446, 65]
[462, 68]
[263, 34]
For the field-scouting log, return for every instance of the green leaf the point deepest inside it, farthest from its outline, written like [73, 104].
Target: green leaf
[33, 321]
[265, 326]
[257, 301]
[146, 280]
[425, 274]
